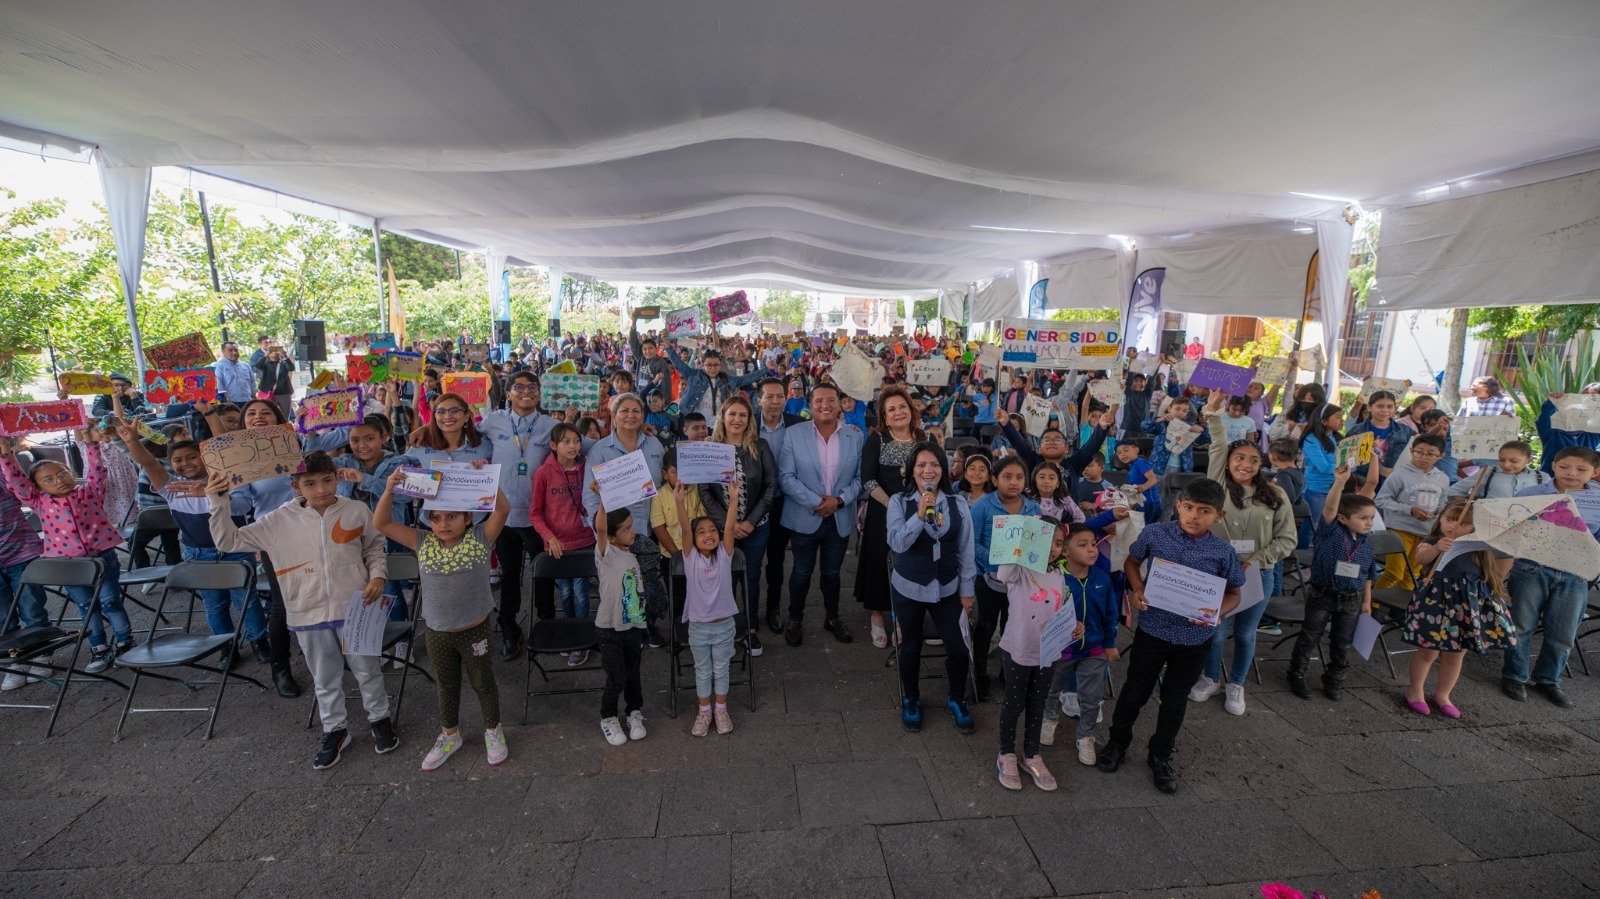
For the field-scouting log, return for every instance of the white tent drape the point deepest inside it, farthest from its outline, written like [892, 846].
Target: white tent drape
[1246, 274]
[998, 298]
[953, 305]
[127, 193]
[1334, 237]
[1090, 280]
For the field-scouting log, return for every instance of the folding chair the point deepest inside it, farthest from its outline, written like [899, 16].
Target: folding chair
[1392, 600]
[401, 567]
[1300, 558]
[1590, 614]
[1288, 610]
[956, 443]
[154, 521]
[560, 636]
[679, 644]
[893, 661]
[35, 647]
[186, 650]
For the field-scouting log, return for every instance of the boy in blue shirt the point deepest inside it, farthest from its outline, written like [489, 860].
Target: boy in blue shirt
[1143, 475]
[1169, 647]
[1096, 605]
[1341, 587]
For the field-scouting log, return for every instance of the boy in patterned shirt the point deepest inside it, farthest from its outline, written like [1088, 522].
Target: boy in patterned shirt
[1166, 641]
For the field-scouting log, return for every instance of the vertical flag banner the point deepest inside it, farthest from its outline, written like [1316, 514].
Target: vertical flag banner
[1036, 297]
[1143, 321]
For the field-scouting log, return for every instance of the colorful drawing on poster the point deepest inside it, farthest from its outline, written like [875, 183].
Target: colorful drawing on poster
[1481, 436]
[731, 306]
[1353, 451]
[1310, 359]
[188, 351]
[1396, 386]
[253, 454]
[647, 313]
[85, 383]
[683, 322]
[928, 372]
[184, 385]
[331, 409]
[17, 419]
[1021, 540]
[472, 387]
[475, 353]
[568, 391]
[1272, 369]
[370, 369]
[405, 366]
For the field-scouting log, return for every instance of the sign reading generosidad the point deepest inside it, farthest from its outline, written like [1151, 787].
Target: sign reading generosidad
[1034, 343]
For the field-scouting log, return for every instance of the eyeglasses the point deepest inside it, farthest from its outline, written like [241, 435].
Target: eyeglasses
[524, 388]
[1426, 454]
[54, 478]
[450, 410]
[1045, 440]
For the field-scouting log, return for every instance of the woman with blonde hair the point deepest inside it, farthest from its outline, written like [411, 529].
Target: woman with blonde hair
[756, 471]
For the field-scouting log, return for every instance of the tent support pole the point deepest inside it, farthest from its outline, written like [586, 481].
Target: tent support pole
[377, 258]
[211, 260]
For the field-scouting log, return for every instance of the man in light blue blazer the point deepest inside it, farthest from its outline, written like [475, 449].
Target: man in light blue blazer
[819, 468]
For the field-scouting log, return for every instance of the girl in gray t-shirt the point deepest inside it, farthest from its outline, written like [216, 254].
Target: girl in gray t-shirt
[454, 560]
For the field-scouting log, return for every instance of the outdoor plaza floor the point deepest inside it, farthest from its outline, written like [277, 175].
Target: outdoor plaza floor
[818, 793]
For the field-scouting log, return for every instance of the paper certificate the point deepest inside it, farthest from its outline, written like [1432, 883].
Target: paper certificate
[1183, 591]
[362, 634]
[705, 462]
[1056, 635]
[463, 488]
[1252, 593]
[1367, 630]
[1021, 540]
[626, 480]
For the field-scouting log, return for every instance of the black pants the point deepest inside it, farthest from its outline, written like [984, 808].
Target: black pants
[1027, 687]
[514, 546]
[910, 615]
[450, 652]
[620, 652]
[992, 606]
[277, 618]
[1322, 606]
[1146, 658]
[777, 549]
[171, 551]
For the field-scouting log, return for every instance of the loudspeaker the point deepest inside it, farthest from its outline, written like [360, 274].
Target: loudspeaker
[311, 342]
[555, 327]
[502, 332]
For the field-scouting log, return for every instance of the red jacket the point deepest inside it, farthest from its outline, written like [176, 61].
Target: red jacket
[556, 509]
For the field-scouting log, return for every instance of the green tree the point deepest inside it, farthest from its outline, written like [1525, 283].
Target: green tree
[1510, 322]
[425, 263]
[39, 272]
[1086, 315]
[787, 309]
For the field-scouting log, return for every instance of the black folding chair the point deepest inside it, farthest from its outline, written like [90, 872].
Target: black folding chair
[186, 650]
[560, 636]
[1392, 600]
[151, 523]
[401, 567]
[1590, 615]
[680, 633]
[1300, 559]
[35, 647]
[928, 638]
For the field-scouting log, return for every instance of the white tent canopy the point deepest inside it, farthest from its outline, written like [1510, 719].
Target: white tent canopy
[818, 144]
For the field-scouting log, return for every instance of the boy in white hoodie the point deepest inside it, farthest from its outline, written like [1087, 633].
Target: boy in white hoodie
[1410, 499]
[327, 551]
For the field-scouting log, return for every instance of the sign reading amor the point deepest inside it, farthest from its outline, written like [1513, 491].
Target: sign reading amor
[17, 419]
[1032, 343]
[253, 454]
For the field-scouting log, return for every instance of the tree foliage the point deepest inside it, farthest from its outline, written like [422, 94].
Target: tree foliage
[1510, 322]
[786, 309]
[425, 263]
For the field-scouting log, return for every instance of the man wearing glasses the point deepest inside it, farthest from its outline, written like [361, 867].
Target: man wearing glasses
[520, 437]
[1409, 501]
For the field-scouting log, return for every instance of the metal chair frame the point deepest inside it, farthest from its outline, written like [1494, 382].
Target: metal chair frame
[36, 647]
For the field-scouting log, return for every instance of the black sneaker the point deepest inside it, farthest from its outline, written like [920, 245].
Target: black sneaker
[794, 633]
[1166, 779]
[1514, 688]
[511, 644]
[837, 627]
[1111, 758]
[980, 685]
[1332, 690]
[653, 637]
[1298, 686]
[263, 651]
[333, 745]
[384, 739]
[752, 643]
[125, 645]
[1555, 694]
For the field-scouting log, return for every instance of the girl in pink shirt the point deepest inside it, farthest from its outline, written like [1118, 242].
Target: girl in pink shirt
[556, 512]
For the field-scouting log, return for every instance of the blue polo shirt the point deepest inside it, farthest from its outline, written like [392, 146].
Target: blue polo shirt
[1207, 553]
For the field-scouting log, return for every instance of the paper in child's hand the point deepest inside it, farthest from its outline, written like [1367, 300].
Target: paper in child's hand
[419, 483]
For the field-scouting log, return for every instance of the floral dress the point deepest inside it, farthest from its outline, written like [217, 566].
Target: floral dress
[1454, 610]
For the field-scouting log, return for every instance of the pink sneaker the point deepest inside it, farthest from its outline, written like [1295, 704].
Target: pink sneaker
[1042, 778]
[1008, 771]
[702, 722]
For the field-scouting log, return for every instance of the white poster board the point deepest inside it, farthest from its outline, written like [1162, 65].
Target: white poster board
[928, 372]
[1481, 436]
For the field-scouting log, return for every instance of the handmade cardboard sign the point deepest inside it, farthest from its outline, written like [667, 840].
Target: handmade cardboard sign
[1272, 369]
[405, 366]
[1310, 359]
[322, 380]
[184, 385]
[85, 383]
[1353, 451]
[331, 409]
[17, 419]
[188, 351]
[1232, 380]
[1577, 412]
[475, 352]
[647, 312]
[371, 369]
[472, 387]
[418, 482]
[567, 391]
[1036, 412]
[683, 322]
[928, 372]
[1396, 386]
[1481, 436]
[1107, 391]
[731, 306]
[1021, 540]
[253, 454]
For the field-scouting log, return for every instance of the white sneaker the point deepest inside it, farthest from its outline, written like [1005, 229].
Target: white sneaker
[1204, 689]
[1100, 712]
[1086, 750]
[16, 681]
[612, 728]
[1069, 704]
[1047, 733]
[1234, 702]
[636, 725]
[402, 650]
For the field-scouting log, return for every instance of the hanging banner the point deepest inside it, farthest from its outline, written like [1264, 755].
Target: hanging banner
[1036, 297]
[185, 385]
[1032, 343]
[188, 351]
[731, 306]
[17, 419]
[1144, 311]
[683, 322]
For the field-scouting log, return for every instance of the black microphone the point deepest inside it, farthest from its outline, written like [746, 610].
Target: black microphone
[932, 512]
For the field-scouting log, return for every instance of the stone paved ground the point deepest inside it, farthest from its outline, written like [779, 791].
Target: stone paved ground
[817, 793]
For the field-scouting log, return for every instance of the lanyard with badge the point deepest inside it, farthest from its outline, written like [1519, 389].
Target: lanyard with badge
[522, 443]
[1348, 568]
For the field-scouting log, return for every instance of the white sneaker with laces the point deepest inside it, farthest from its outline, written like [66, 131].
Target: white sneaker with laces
[444, 747]
[612, 728]
[16, 682]
[402, 650]
[1047, 733]
[1069, 704]
[494, 742]
[1234, 702]
[1086, 752]
[1204, 689]
[636, 725]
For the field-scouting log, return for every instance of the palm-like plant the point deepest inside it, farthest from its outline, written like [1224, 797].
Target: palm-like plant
[1545, 373]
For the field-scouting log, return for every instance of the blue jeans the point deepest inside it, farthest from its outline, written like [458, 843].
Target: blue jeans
[827, 543]
[1308, 529]
[1272, 582]
[754, 548]
[219, 603]
[711, 643]
[31, 610]
[1243, 628]
[110, 604]
[1541, 595]
[574, 596]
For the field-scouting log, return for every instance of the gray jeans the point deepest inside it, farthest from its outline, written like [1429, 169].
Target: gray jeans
[327, 663]
[1091, 689]
[712, 645]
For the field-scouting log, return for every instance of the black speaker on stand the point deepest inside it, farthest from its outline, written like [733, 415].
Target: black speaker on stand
[310, 340]
[502, 332]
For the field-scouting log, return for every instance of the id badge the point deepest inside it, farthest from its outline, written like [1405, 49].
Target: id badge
[522, 469]
[1347, 569]
[1243, 546]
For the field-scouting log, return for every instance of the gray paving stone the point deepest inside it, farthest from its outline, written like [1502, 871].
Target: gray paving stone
[977, 857]
[278, 824]
[889, 791]
[378, 874]
[137, 830]
[676, 866]
[1505, 877]
[559, 809]
[1554, 749]
[1320, 717]
[815, 691]
[197, 879]
[878, 734]
[844, 860]
[773, 739]
[32, 822]
[1088, 852]
[1375, 830]
[76, 883]
[1397, 882]
[1251, 839]
[1493, 820]
[964, 789]
[424, 816]
[728, 800]
[1345, 763]
[1584, 866]
[534, 871]
[1455, 756]
[1575, 800]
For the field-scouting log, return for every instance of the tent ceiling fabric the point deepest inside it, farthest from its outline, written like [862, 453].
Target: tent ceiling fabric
[820, 143]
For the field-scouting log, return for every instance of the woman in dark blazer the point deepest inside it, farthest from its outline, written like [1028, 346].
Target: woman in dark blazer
[757, 471]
